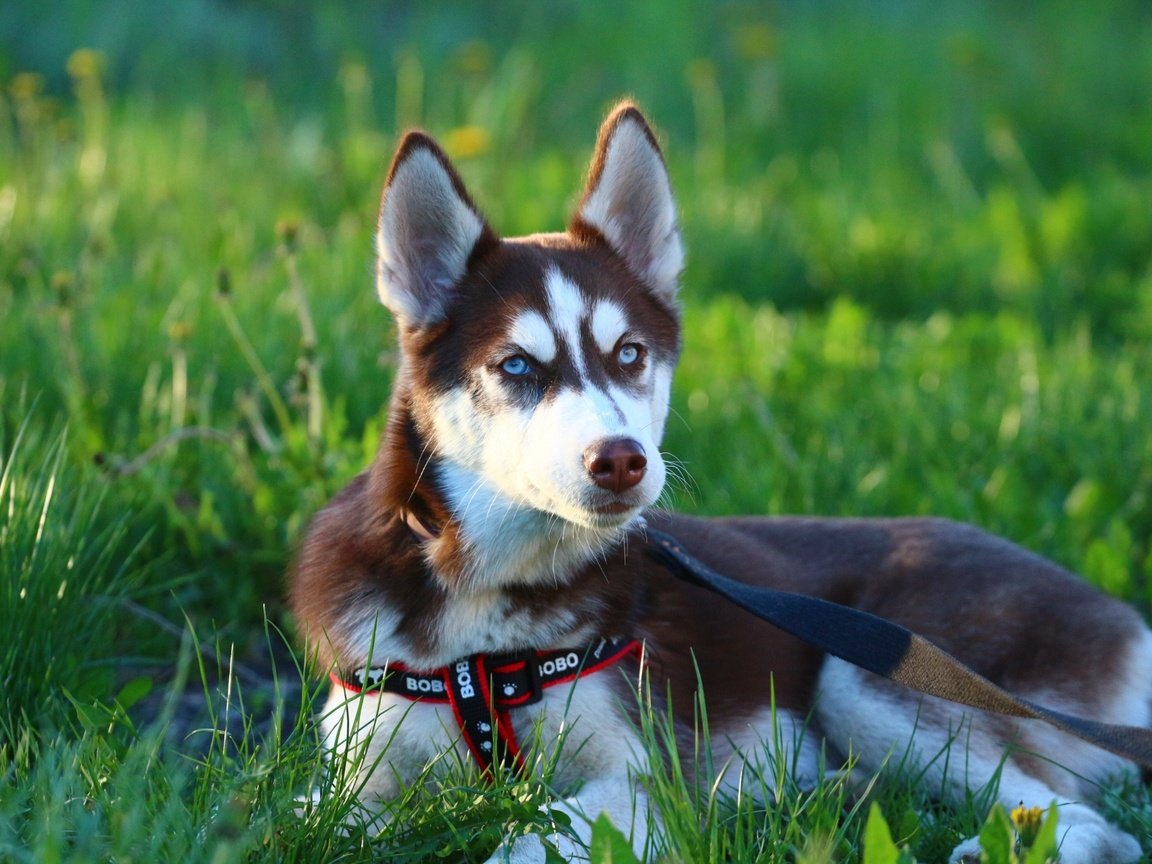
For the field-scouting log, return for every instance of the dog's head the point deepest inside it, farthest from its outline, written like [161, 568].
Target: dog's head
[537, 370]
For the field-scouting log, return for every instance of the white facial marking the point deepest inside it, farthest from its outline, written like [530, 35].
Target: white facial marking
[567, 307]
[659, 400]
[608, 325]
[530, 331]
[457, 433]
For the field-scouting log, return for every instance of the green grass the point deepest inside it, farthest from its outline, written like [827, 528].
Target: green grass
[919, 281]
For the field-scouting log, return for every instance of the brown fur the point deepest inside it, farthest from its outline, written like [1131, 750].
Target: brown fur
[1018, 619]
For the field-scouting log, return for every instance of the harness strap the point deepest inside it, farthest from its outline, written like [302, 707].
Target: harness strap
[470, 696]
[891, 651]
[483, 688]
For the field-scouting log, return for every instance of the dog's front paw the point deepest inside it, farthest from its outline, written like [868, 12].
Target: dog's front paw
[967, 852]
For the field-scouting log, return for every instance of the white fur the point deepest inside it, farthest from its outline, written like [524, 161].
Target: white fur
[750, 756]
[600, 756]
[369, 633]
[377, 741]
[567, 307]
[457, 435]
[509, 541]
[609, 324]
[1080, 764]
[531, 333]
[659, 401]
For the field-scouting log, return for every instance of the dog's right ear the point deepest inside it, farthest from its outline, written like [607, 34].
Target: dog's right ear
[428, 231]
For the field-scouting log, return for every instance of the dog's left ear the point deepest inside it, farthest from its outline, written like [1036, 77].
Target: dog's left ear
[628, 201]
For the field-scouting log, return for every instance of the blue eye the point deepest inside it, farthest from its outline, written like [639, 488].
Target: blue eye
[515, 366]
[628, 354]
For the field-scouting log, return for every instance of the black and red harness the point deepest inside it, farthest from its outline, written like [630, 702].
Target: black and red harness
[483, 689]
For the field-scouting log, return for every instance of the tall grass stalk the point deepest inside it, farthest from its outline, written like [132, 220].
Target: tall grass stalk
[65, 564]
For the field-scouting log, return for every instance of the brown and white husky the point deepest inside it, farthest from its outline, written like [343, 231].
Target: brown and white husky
[500, 531]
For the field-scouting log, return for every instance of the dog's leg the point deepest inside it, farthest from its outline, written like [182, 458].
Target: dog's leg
[954, 749]
[621, 800]
[583, 730]
[376, 743]
[1083, 835]
[751, 757]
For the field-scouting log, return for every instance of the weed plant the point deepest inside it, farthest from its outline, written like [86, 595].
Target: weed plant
[919, 281]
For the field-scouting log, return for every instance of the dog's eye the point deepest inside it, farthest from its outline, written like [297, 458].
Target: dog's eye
[629, 354]
[516, 366]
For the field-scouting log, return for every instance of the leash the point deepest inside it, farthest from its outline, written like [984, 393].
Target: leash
[483, 688]
[891, 651]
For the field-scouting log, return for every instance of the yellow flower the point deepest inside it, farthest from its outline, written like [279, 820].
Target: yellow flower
[85, 63]
[464, 142]
[1027, 822]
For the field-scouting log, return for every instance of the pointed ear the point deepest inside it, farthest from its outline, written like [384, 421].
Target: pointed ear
[628, 201]
[428, 231]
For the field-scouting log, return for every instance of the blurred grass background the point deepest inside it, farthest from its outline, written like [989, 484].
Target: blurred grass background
[919, 279]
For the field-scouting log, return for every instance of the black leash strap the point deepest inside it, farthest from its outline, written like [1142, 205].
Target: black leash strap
[891, 651]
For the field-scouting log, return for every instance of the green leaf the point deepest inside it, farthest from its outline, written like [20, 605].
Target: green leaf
[609, 845]
[997, 838]
[92, 716]
[1044, 848]
[878, 845]
[133, 691]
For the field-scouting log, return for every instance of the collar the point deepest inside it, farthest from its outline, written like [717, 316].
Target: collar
[483, 688]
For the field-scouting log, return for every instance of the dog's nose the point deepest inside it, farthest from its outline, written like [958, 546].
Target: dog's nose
[616, 464]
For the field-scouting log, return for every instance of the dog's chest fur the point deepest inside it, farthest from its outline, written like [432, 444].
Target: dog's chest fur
[369, 593]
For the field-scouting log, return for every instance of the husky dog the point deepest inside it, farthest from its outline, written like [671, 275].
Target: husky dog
[490, 562]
